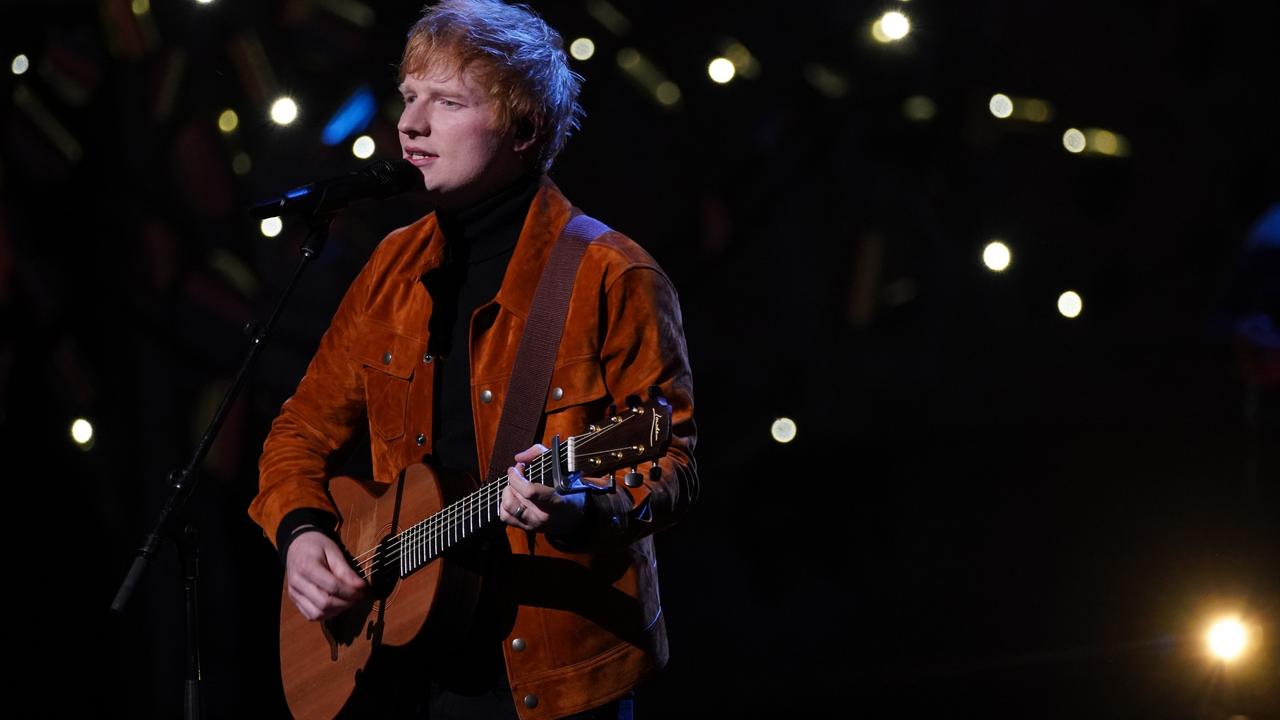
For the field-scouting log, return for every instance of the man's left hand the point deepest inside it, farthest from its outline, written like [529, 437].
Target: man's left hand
[532, 506]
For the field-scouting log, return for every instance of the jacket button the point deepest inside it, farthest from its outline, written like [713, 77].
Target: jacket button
[422, 439]
[386, 358]
[531, 701]
[427, 358]
[557, 393]
[518, 644]
[486, 396]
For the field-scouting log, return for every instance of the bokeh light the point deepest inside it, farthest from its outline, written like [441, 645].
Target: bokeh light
[582, 49]
[890, 27]
[228, 121]
[1227, 639]
[919, 108]
[82, 433]
[363, 147]
[668, 93]
[284, 111]
[1070, 304]
[996, 256]
[1001, 105]
[721, 70]
[783, 430]
[271, 226]
[1073, 140]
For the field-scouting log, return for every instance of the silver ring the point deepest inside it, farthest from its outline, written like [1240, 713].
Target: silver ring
[519, 512]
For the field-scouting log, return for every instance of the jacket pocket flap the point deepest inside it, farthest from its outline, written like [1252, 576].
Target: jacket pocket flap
[389, 352]
[576, 382]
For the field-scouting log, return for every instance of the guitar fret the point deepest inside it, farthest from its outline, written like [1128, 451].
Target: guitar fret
[432, 536]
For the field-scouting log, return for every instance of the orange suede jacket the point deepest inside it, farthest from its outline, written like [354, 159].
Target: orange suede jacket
[590, 626]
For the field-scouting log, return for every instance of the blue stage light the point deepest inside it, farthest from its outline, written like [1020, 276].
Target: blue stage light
[352, 117]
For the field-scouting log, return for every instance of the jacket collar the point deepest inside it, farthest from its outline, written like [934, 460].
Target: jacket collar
[549, 212]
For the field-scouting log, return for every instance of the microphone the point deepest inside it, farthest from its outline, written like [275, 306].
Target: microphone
[379, 180]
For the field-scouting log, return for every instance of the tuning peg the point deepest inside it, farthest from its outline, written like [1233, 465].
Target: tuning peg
[655, 391]
[655, 472]
[633, 478]
[633, 401]
[613, 410]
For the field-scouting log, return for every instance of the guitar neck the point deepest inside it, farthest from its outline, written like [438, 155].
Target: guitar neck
[423, 542]
[640, 433]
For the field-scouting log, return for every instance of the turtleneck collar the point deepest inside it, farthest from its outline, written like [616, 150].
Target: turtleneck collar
[489, 227]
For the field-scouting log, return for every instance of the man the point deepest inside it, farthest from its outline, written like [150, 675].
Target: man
[420, 352]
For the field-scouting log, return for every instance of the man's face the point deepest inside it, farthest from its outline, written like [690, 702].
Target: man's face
[447, 131]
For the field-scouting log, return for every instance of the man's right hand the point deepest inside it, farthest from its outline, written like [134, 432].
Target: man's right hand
[320, 580]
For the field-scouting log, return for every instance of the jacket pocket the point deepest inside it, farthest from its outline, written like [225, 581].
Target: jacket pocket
[576, 382]
[388, 365]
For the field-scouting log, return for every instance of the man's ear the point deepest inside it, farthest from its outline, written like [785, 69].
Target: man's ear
[525, 132]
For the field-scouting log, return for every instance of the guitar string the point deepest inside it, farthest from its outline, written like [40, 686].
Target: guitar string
[464, 515]
[445, 522]
[444, 528]
[453, 523]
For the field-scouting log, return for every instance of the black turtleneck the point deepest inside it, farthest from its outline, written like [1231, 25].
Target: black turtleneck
[479, 242]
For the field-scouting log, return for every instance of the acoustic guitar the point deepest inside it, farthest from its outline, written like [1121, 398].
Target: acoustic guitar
[415, 542]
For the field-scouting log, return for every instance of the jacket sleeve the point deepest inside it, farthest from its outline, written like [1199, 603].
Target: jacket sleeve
[643, 345]
[323, 414]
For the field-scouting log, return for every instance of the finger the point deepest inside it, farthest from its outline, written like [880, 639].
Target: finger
[512, 520]
[540, 495]
[525, 456]
[537, 510]
[350, 583]
[534, 517]
[305, 606]
[326, 604]
[317, 575]
[522, 488]
[511, 509]
[333, 606]
[309, 596]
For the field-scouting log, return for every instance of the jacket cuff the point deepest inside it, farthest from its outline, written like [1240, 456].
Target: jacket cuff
[583, 533]
[604, 524]
[303, 520]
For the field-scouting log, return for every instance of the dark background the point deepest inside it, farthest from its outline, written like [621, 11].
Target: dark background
[989, 509]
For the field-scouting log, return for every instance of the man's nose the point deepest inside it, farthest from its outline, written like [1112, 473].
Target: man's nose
[414, 122]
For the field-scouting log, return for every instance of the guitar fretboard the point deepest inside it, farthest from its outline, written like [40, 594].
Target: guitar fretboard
[419, 544]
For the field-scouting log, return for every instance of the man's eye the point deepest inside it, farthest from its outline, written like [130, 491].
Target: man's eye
[450, 103]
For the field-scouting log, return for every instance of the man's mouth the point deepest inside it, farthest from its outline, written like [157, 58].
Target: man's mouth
[418, 155]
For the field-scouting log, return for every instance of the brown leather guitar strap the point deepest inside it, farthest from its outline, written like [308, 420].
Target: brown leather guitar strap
[536, 356]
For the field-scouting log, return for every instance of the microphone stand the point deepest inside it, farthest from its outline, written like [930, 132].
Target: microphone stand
[183, 482]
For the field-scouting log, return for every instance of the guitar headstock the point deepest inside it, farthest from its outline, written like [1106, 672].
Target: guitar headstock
[624, 439]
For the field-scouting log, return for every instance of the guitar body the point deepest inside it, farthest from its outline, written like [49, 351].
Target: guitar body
[331, 665]
[425, 543]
